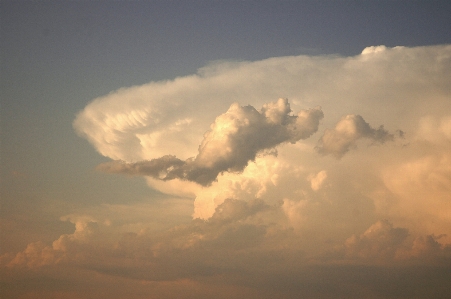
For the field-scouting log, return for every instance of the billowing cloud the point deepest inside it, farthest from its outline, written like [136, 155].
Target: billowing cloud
[170, 117]
[158, 130]
[256, 222]
[382, 243]
[316, 181]
[241, 241]
[347, 132]
[235, 139]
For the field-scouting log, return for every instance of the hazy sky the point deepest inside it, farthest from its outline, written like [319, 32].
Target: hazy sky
[225, 149]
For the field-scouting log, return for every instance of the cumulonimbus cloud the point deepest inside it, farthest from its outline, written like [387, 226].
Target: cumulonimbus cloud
[339, 140]
[234, 139]
[162, 123]
[169, 117]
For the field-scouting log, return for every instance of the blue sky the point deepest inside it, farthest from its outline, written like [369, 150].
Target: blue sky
[57, 57]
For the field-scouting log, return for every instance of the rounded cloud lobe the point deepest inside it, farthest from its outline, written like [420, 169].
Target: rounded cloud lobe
[273, 223]
[159, 130]
[347, 132]
[235, 139]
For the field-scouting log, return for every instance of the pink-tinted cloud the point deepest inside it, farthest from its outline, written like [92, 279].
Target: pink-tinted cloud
[235, 139]
[347, 132]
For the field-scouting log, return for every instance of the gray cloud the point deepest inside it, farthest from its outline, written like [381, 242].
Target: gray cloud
[235, 139]
[384, 244]
[347, 132]
[381, 241]
[241, 243]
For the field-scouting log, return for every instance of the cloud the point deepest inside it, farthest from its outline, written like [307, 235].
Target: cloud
[258, 181]
[241, 238]
[347, 132]
[169, 117]
[158, 129]
[65, 247]
[434, 130]
[316, 181]
[235, 139]
[382, 243]
[266, 223]
[236, 224]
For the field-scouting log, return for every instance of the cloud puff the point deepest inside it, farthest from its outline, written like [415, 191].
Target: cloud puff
[65, 247]
[316, 181]
[347, 132]
[162, 124]
[236, 224]
[258, 181]
[285, 221]
[272, 224]
[383, 243]
[241, 237]
[169, 117]
[380, 242]
[156, 128]
[235, 139]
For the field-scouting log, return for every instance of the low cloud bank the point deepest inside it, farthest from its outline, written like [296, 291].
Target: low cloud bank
[289, 225]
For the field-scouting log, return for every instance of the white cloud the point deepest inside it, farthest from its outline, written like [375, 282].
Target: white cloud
[169, 117]
[161, 129]
[316, 181]
[384, 244]
[380, 242]
[347, 132]
[433, 129]
[235, 138]
[373, 49]
[254, 182]
[274, 220]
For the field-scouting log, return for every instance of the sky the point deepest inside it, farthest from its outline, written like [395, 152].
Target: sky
[225, 149]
